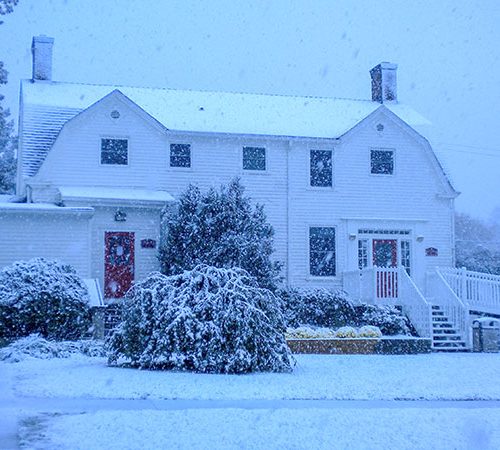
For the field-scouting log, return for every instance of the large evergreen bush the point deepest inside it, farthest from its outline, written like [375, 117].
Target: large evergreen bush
[45, 297]
[221, 228]
[209, 320]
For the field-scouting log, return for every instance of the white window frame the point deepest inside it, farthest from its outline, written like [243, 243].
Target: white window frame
[254, 171]
[381, 149]
[190, 156]
[310, 186]
[122, 138]
[321, 277]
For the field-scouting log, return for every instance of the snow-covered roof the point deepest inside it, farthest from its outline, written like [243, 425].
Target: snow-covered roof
[6, 207]
[122, 194]
[48, 105]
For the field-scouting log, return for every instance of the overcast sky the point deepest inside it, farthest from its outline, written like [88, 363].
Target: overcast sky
[448, 54]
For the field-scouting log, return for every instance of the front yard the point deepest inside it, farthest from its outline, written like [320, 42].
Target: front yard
[345, 401]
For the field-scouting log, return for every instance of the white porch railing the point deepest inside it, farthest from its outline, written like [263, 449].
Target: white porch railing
[478, 291]
[454, 308]
[391, 286]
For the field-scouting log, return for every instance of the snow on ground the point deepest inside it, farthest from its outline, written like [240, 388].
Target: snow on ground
[269, 429]
[80, 403]
[429, 376]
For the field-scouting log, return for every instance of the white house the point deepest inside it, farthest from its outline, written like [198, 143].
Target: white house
[356, 195]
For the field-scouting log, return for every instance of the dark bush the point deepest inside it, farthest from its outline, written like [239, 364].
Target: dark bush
[318, 307]
[45, 297]
[389, 319]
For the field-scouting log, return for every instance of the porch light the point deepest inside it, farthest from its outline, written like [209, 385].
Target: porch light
[120, 216]
[352, 236]
[420, 238]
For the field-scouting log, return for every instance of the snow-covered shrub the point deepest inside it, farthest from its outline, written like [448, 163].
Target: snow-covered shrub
[43, 296]
[221, 228]
[206, 320]
[346, 332]
[369, 331]
[35, 346]
[388, 319]
[306, 332]
[318, 307]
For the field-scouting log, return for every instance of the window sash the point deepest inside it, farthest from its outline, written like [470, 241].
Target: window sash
[382, 162]
[322, 257]
[321, 168]
[406, 256]
[362, 254]
[254, 158]
[114, 151]
[180, 155]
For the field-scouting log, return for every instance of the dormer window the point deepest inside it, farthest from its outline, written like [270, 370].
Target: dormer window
[114, 151]
[382, 162]
[180, 155]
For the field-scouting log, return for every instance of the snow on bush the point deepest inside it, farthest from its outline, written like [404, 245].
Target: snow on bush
[43, 296]
[221, 228]
[387, 318]
[306, 332]
[206, 320]
[319, 307]
[35, 346]
[369, 331]
[346, 332]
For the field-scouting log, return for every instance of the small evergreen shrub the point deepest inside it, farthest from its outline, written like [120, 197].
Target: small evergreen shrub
[45, 297]
[318, 307]
[208, 320]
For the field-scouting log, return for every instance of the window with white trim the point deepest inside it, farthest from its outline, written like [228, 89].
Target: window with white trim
[382, 161]
[321, 168]
[406, 256]
[114, 151]
[254, 158]
[180, 155]
[362, 253]
[322, 251]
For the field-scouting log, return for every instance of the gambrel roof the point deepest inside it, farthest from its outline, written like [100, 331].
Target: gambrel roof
[46, 106]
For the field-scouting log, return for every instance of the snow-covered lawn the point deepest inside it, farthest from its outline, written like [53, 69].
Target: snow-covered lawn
[429, 376]
[271, 429]
[61, 404]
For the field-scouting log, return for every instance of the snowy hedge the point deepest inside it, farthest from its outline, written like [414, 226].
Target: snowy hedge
[43, 296]
[333, 309]
[319, 307]
[206, 320]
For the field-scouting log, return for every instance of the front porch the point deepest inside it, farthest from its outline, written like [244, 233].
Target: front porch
[441, 312]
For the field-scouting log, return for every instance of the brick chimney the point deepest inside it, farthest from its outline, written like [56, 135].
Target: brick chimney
[384, 82]
[41, 49]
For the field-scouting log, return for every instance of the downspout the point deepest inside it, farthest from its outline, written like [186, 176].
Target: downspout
[288, 226]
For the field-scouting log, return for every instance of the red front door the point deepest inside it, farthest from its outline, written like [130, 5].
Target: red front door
[118, 263]
[385, 252]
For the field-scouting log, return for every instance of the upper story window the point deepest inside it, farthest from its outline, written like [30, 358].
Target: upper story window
[321, 168]
[180, 155]
[322, 251]
[382, 162]
[254, 158]
[114, 151]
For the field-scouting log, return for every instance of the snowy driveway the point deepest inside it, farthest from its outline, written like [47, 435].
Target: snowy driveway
[445, 401]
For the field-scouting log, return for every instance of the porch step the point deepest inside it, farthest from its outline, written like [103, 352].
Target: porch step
[445, 337]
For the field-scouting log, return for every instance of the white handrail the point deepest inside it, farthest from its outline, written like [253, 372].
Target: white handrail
[475, 289]
[455, 309]
[414, 305]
